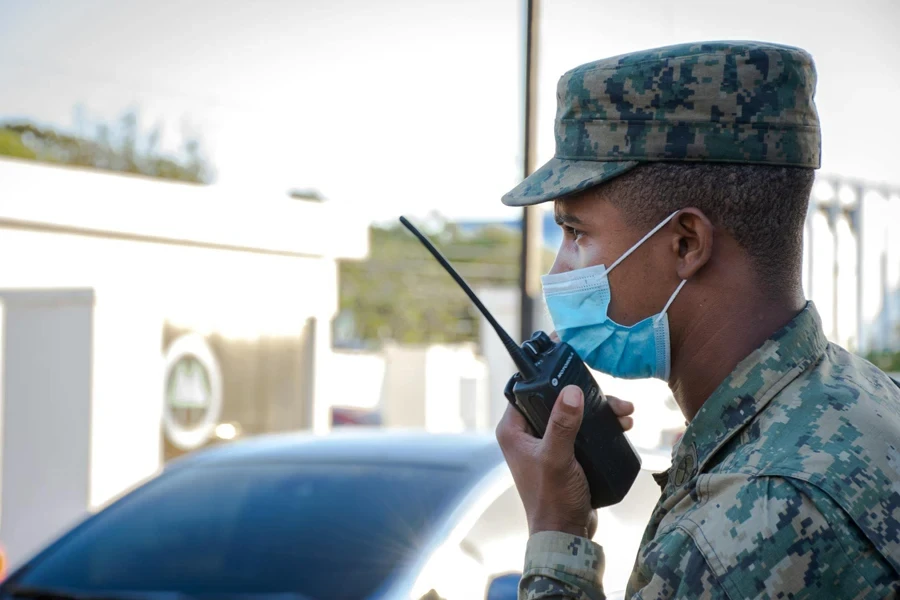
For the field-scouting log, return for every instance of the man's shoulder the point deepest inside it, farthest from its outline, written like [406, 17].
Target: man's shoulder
[831, 433]
[844, 376]
[803, 491]
[840, 401]
[833, 426]
[776, 533]
[840, 416]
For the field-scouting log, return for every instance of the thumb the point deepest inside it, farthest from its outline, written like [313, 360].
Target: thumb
[565, 420]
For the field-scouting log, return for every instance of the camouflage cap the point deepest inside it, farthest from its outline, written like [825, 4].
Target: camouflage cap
[730, 102]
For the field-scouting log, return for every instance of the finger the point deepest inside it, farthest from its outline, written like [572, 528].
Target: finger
[626, 422]
[622, 408]
[554, 336]
[593, 522]
[511, 426]
[565, 419]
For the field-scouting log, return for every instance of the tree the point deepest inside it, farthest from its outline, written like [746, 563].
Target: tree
[113, 147]
[401, 293]
[886, 360]
[11, 145]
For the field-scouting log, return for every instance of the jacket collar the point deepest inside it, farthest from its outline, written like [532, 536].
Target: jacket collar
[747, 391]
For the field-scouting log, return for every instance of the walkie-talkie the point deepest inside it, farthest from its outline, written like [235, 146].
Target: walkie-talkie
[545, 368]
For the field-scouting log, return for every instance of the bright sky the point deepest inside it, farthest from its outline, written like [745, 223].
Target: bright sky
[404, 106]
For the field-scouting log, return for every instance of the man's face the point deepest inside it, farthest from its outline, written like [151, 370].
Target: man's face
[595, 233]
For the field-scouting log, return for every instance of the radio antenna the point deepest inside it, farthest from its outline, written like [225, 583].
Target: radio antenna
[525, 366]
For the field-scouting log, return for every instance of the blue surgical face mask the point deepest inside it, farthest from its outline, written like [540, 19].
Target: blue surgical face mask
[579, 306]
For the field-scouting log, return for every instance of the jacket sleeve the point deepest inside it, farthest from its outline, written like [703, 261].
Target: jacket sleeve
[560, 566]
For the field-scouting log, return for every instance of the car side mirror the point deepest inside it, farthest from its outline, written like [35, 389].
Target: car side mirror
[504, 587]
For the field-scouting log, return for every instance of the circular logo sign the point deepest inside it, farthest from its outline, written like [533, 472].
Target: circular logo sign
[193, 392]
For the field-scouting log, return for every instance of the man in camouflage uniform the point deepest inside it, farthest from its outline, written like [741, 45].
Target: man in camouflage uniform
[786, 483]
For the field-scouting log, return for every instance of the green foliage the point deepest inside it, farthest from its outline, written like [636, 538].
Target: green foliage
[118, 147]
[888, 361]
[11, 145]
[401, 293]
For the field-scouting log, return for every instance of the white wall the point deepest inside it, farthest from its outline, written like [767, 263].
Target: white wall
[2, 406]
[451, 372]
[504, 306]
[103, 202]
[438, 388]
[138, 285]
[367, 371]
[152, 252]
[47, 414]
[403, 391]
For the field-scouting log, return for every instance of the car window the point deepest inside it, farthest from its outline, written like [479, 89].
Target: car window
[330, 531]
[498, 537]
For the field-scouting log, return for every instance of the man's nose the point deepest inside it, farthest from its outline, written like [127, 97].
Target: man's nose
[560, 265]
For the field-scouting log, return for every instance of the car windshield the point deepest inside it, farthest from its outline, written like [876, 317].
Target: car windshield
[328, 531]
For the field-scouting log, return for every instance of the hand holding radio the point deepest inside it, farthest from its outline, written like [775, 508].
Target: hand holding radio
[551, 483]
[549, 478]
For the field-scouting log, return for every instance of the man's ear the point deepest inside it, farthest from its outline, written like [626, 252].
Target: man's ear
[693, 241]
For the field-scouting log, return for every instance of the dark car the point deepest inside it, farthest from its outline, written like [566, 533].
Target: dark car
[348, 516]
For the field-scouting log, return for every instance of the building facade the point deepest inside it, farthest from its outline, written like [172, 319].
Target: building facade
[191, 315]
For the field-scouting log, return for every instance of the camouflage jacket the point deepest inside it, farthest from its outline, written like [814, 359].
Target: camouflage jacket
[786, 484]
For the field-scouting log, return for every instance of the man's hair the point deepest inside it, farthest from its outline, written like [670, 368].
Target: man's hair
[762, 207]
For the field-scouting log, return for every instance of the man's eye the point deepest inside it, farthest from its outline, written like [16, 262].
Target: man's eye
[571, 232]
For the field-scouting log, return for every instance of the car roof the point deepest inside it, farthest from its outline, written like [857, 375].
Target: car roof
[357, 445]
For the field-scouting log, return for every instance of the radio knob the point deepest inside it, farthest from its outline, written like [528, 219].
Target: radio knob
[539, 343]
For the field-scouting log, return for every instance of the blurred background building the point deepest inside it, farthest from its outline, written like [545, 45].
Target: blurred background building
[198, 209]
[144, 319]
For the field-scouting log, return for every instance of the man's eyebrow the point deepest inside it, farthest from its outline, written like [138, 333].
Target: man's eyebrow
[564, 217]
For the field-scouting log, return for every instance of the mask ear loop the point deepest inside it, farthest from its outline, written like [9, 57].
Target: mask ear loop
[669, 303]
[638, 245]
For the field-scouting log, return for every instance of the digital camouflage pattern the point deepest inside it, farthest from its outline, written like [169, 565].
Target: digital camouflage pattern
[562, 566]
[736, 102]
[786, 484]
